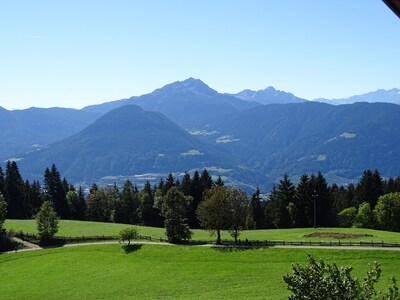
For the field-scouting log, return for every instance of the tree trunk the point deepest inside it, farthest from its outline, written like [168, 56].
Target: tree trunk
[236, 236]
[218, 237]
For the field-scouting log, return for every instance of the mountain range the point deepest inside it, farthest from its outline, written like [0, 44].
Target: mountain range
[251, 138]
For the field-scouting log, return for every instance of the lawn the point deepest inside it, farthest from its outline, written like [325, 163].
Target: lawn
[167, 272]
[84, 228]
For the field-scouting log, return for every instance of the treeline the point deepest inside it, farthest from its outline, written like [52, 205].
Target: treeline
[286, 205]
[104, 204]
[292, 205]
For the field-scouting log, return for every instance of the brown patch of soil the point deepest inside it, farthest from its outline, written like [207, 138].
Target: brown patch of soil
[334, 235]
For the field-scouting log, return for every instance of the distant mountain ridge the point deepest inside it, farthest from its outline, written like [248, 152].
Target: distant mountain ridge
[190, 103]
[268, 96]
[381, 95]
[30, 129]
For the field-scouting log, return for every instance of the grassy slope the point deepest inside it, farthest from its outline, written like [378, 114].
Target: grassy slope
[174, 272]
[79, 228]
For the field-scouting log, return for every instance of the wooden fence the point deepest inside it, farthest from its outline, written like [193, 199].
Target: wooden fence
[241, 243]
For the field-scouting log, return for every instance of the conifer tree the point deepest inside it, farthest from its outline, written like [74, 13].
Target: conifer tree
[3, 211]
[14, 192]
[219, 181]
[54, 191]
[285, 195]
[369, 188]
[1, 181]
[206, 181]
[322, 200]
[174, 210]
[304, 202]
[196, 192]
[185, 185]
[257, 210]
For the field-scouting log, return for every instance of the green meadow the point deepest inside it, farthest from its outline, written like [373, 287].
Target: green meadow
[168, 272]
[84, 228]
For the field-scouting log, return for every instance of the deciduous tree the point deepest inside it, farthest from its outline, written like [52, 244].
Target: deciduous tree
[387, 212]
[47, 222]
[213, 212]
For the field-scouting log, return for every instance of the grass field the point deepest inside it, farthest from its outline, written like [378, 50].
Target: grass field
[83, 228]
[168, 272]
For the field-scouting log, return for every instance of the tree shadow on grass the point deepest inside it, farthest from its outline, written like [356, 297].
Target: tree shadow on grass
[131, 248]
[230, 249]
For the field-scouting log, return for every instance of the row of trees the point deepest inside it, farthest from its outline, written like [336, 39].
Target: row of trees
[289, 205]
[286, 205]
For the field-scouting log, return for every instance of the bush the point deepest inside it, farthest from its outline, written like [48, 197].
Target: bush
[128, 234]
[318, 280]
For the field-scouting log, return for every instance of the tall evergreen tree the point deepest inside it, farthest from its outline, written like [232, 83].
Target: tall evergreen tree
[14, 192]
[257, 210]
[322, 200]
[304, 202]
[1, 181]
[174, 210]
[169, 183]
[36, 197]
[54, 191]
[127, 205]
[206, 181]
[369, 188]
[196, 191]
[185, 185]
[285, 195]
[147, 213]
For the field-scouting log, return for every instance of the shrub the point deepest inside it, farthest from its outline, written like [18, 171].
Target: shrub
[318, 280]
[128, 234]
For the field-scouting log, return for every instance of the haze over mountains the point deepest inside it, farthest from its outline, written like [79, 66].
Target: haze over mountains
[251, 138]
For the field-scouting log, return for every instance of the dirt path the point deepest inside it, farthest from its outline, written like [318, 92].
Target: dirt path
[26, 244]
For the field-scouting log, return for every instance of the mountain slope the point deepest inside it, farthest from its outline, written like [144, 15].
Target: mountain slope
[340, 141]
[126, 142]
[29, 129]
[189, 103]
[268, 96]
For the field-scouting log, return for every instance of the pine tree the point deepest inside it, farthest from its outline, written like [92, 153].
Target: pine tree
[369, 188]
[256, 210]
[219, 181]
[285, 195]
[196, 192]
[54, 191]
[322, 200]
[185, 185]
[174, 210]
[304, 202]
[14, 192]
[1, 181]
[127, 206]
[206, 181]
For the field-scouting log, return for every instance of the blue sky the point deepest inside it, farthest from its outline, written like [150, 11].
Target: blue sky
[75, 53]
